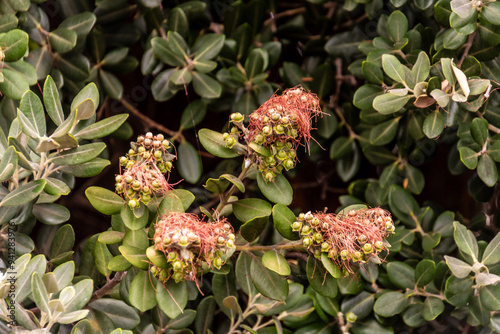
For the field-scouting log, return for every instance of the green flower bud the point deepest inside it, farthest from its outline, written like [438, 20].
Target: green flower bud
[145, 198]
[119, 187]
[158, 154]
[136, 185]
[131, 192]
[156, 143]
[301, 216]
[293, 133]
[133, 203]
[279, 129]
[149, 135]
[146, 155]
[307, 242]
[218, 262]
[177, 265]
[259, 139]
[351, 317]
[157, 240]
[266, 130]
[306, 230]
[362, 239]
[163, 275]
[281, 155]
[230, 243]
[183, 241]
[315, 221]
[275, 117]
[325, 247]
[129, 164]
[118, 178]
[332, 254]
[172, 256]
[285, 120]
[156, 184]
[318, 237]
[265, 119]
[129, 179]
[225, 136]
[296, 226]
[141, 149]
[168, 165]
[230, 142]
[356, 256]
[367, 248]
[269, 176]
[221, 240]
[131, 152]
[140, 139]
[292, 154]
[344, 254]
[178, 276]
[166, 144]
[237, 117]
[166, 242]
[379, 246]
[123, 161]
[160, 137]
[154, 271]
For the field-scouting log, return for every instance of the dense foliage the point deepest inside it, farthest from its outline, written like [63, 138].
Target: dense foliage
[267, 166]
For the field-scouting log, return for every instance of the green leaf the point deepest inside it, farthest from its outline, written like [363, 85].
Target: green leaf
[171, 203]
[208, 46]
[390, 103]
[178, 21]
[364, 96]
[80, 23]
[193, 114]
[189, 162]
[390, 304]
[52, 101]
[37, 264]
[421, 68]
[83, 292]
[361, 305]
[13, 84]
[491, 253]
[172, 297]
[8, 22]
[479, 130]
[278, 191]
[487, 170]
[110, 237]
[267, 282]
[465, 240]
[400, 199]
[164, 51]
[468, 157]
[78, 155]
[490, 297]
[401, 274]
[433, 124]
[122, 315]
[253, 228]
[441, 97]
[102, 256]
[320, 279]
[115, 56]
[64, 274]
[372, 72]
[8, 164]
[329, 265]
[397, 25]
[102, 128]
[142, 294]
[222, 287]
[212, 141]
[34, 121]
[111, 84]
[91, 92]
[62, 40]
[104, 200]
[433, 307]
[24, 193]
[40, 295]
[448, 71]
[283, 219]
[206, 86]
[242, 271]
[424, 272]
[458, 267]
[491, 13]
[255, 63]
[162, 88]
[276, 262]
[14, 45]
[51, 213]
[250, 208]
[393, 68]
[341, 147]
[87, 169]
[384, 132]
[205, 315]
[218, 186]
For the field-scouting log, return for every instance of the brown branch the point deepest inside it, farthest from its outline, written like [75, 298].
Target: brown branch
[106, 288]
[467, 46]
[289, 12]
[146, 120]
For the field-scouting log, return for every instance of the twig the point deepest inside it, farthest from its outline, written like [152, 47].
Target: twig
[106, 288]
[289, 12]
[146, 120]
[230, 192]
[467, 45]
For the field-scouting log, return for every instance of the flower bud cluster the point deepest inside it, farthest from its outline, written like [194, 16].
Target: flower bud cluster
[276, 129]
[143, 168]
[357, 236]
[188, 243]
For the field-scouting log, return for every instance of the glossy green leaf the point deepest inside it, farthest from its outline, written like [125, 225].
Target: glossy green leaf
[142, 294]
[205, 315]
[13, 84]
[164, 51]
[268, 282]
[212, 141]
[24, 193]
[122, 315]
[364, 96]
[189, 162]
[102, 256]
[51, 213]
[78, 155]
[372, 72]
[490, 297]
[276, 262]
[320, 279]
[193, 114]
[424, 272]
[491, 13]
[384, 132]
[397, 25]
[62, 40]
[393, 68]
[91, 92]
[40, 295]
[224, 286]
[479, 130]
[253, 228]
[87, 169]
[487, 170]
[278, 191]
[401, 274]
[83, 292]
[8, 164]
[218, 186]
[104, 201]
[208, 46]
[8, 22]
[330, 266]
[390, 304]
[341, 147]
[491, 253]
[111, 85]
[250, 208]
[14, 45]
[102, 128]
[33, 121]
[242, 272]
[206, 86]
[389, 103]
[283, 219]
[433, 124]
[361, 305]
[172, 297]
[52, 101]
[80, 23]
[468, 157]
[171, 203]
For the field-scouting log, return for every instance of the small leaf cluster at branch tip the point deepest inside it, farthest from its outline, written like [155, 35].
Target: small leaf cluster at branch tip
[357, 236]
[143, 168]
[276, 129]
[185, 243]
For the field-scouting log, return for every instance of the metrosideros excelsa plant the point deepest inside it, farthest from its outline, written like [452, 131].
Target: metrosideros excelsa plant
[358, 236]
[143, 168]
[276, 129]
[185, 245]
